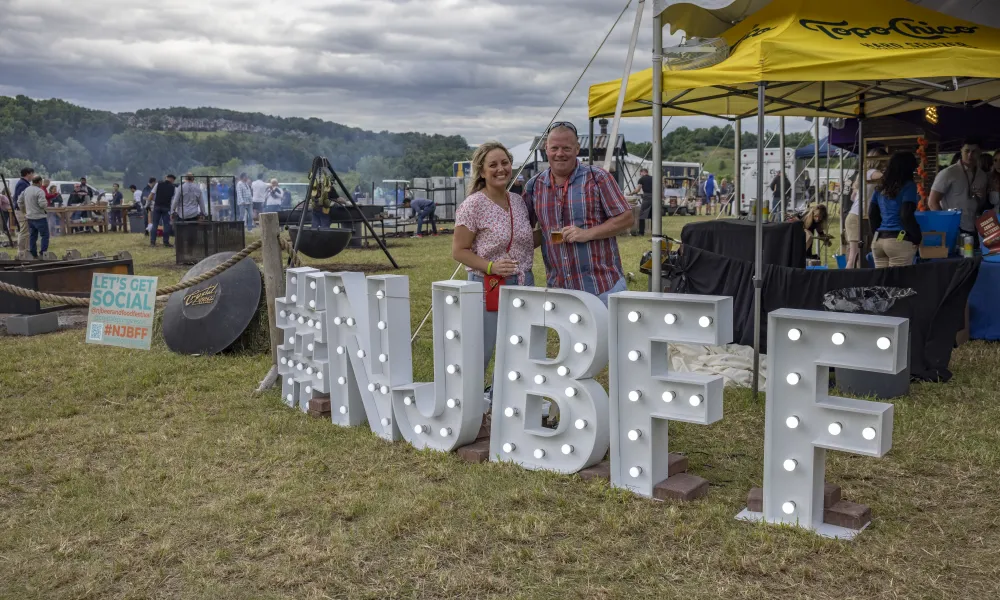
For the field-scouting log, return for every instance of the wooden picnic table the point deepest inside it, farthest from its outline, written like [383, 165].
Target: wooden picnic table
[65, 212]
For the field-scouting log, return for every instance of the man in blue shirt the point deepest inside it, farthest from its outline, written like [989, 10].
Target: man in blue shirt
[709, 194]
[423, 209]
[23, 183]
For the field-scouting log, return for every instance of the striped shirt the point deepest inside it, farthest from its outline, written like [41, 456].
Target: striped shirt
[589, 198]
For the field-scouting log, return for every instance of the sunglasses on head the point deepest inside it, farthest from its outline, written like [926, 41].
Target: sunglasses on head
[566, 124]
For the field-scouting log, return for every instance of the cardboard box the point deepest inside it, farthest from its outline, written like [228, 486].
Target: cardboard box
[933, 245]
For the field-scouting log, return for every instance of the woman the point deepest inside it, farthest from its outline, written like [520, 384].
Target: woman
[815, 226]
[492, 233]
[892, 213]
[852, 224]
[6, 226]
[53, 198]
[272, 202]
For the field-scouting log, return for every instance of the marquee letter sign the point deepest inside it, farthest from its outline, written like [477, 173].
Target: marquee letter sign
[347, 336]
[645, 396]
[803, 421]
[524, 378]
[448, 413]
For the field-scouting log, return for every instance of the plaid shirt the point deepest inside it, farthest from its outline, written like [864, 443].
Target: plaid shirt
[243, 194]
[589, 198]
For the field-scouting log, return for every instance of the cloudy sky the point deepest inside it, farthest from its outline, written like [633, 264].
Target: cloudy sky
[498, 70]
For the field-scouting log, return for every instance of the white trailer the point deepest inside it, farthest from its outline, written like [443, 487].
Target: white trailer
[772, 164]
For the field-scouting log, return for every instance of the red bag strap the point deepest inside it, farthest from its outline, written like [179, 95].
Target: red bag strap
[510, 211]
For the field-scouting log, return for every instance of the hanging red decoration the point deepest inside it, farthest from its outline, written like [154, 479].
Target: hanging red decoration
[922, 173]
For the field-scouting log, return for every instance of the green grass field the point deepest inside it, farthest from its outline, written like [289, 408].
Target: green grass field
[153, 475]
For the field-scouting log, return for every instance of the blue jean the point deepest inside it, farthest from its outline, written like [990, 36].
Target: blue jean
[115, 217]
[38, 227]
[246, 215]
[427, 213]
[160, 215]
[621, 286]
[320, 220]
[490, 318]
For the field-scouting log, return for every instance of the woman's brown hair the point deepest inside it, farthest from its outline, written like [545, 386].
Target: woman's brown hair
[479, 164]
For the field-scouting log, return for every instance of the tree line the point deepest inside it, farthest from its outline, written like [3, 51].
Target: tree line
[59, 137]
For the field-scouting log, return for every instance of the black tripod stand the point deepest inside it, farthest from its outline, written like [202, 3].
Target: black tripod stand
[318, 165]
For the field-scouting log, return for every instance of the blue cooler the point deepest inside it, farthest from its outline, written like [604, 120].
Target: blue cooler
[945, 221]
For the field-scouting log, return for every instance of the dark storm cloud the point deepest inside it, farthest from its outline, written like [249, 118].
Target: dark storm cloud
[489, 69]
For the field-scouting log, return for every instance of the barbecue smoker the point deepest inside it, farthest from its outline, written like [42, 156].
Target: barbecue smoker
[70, 276]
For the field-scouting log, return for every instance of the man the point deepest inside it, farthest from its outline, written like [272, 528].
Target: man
[116, 201]
[85, 192]
[710, 192]
[36, 214]
[27, 175]
[807, 186]
[580, 210]
[136, 196]
[645, 190]
[161, 200]
[321, 208]
[146, 191]
[423, 208]
[189, 204]
[244, 200]
[259, 189]
[964, 186]
[776, 191]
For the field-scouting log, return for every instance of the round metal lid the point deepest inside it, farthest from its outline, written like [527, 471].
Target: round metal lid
[209, 317]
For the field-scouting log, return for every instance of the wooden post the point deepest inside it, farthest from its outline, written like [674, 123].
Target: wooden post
[274, 274]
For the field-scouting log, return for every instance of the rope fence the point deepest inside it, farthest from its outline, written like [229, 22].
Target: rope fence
[170, 289]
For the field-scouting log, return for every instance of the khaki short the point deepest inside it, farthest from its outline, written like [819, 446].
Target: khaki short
[852, 228]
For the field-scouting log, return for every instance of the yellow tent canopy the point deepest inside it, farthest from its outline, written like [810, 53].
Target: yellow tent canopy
[834, 59]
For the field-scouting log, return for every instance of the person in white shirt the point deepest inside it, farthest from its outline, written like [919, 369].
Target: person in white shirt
[244, 200]
[963, 186]
[272, 202]
[259, 194]
[854, 219]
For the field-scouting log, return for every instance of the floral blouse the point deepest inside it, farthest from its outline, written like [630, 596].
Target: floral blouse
[492, 227]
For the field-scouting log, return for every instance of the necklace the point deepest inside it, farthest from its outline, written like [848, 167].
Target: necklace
[506, 201]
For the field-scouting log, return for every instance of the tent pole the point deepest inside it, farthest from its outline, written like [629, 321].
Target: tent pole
[590, 144]
[840, 200]
[862, 175]
[758, 239]
[657, 271]
[737, 203]
[781, 141]
[609, 154]
[816, 158]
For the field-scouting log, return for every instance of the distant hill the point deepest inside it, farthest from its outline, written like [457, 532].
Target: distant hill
[76, 141]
